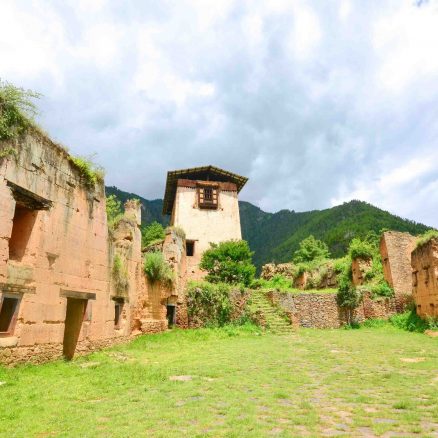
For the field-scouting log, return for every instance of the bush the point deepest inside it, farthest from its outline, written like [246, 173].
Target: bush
[361, 248]
[229, 262]
[209, 304]
[152, 233]
[157, 269]
[426, 237]
[17, 110]
[409, 321]
[311, 249]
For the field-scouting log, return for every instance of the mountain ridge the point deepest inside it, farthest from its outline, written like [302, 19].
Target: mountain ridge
[275, 236]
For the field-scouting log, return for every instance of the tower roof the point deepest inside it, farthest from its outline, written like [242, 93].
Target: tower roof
[206, 173]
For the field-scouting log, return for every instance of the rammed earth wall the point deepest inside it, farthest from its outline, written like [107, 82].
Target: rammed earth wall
[57, 290]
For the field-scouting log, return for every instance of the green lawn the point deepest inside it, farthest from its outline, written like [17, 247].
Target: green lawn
[229, 382]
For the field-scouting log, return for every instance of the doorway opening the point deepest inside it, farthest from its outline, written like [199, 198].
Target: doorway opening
[73, 323]
[8, 314]
[171, 314]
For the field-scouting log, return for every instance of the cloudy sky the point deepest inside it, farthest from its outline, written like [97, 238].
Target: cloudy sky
[317, 102]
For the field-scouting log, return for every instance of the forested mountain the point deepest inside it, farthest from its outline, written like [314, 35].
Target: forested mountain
[275, 236]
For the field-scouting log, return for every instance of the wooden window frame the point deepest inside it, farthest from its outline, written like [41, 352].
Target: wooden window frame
[212, 201]
[13, 321]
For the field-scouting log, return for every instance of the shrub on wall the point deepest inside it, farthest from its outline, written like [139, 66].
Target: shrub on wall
[229, 262]
[152, 233]
[17, 110]
[157, 269]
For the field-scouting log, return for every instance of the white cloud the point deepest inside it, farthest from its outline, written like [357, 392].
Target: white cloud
[316, 102]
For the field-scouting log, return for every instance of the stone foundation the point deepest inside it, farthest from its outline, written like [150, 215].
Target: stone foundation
[38, 354]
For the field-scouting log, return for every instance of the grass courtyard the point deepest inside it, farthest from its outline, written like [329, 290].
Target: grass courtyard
[233, 382]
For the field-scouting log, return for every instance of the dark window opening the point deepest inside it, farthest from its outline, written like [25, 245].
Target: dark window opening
[171, 314]
[208, 194]
[8, 315]
[118, 308]
[190, 248]
[22, 226]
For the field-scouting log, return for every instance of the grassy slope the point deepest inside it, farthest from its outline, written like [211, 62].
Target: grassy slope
[313, 382]
[275, 236]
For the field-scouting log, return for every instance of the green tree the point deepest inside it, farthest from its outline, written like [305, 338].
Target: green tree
[311, 249]
[229, 262]
[151, 233]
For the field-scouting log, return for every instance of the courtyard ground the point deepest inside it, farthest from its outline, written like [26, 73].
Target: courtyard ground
[233, 382]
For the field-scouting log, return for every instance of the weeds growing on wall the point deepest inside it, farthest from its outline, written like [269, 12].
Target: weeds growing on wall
[17, 110]
[157, 269]
[426, 237]
[7, 152]
[114, 211]
[209, 303]
[178, 231]
[120, 275]
[89, 171]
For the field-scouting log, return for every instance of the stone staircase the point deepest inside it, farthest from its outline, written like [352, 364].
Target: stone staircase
[273, 318]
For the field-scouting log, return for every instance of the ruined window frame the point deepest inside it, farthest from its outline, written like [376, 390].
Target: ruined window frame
[118, 312]
[14, 316]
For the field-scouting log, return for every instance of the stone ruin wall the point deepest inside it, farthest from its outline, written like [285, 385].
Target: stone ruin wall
[313, 310]
[57, 251]
[425, 278]
[317, 279]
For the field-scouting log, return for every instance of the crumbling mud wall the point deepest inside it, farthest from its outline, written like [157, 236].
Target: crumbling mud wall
[425, 278]
[270, 270]
[174, 251]
[359, 267]
[395, 250]
[57, 296]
